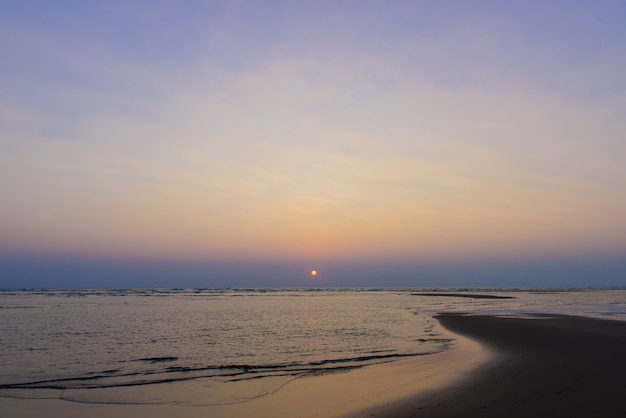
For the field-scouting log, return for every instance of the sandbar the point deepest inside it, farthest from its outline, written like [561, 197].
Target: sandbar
[544, 366]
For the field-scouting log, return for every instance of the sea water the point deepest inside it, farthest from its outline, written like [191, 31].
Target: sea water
[96, 345]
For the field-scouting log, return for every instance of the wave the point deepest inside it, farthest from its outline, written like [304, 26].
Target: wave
[118, 378]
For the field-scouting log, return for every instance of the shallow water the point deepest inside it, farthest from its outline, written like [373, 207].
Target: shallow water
[72, 343]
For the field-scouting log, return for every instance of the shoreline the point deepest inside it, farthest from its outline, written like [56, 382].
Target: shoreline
[332, 395]
[545, 366]
[539, 366]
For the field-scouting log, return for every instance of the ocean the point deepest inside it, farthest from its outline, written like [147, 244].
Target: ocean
[128, 345]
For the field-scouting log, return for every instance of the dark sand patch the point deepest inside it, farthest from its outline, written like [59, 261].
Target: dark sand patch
[557, 366]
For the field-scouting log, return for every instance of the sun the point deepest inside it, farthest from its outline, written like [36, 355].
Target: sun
[313, 273]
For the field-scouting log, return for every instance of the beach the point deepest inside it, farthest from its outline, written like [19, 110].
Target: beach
[539, 366]
[544, 366]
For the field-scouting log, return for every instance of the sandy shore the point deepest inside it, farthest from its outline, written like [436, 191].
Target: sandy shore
[547, 367]
[508, 367]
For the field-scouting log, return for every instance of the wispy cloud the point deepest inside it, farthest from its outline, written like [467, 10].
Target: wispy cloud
[360, 140]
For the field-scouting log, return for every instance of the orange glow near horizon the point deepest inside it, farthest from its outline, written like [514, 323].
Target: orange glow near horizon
[326, 152]
[481, 224]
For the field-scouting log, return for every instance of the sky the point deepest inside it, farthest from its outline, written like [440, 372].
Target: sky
[246, 143]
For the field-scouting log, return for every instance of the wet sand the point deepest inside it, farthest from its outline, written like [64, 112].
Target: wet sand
[544, 367]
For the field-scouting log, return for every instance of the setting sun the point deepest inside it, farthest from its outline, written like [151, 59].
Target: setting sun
[313, 273]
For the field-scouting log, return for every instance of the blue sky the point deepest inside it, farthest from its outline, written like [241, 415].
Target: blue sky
[246, 143]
